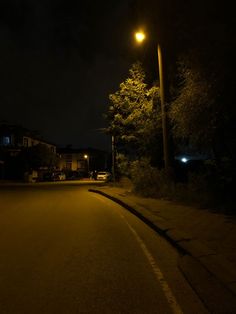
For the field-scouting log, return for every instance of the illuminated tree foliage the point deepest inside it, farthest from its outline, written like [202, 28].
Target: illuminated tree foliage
[133, 114]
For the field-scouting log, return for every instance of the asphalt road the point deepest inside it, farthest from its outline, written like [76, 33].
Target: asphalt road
[66, 250]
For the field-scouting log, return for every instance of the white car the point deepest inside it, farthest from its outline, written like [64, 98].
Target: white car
[59, 176]
[103, 175]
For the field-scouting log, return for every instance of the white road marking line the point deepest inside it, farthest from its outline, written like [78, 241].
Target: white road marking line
[163, 283]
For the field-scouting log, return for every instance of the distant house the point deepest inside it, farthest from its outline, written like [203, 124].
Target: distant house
[13, 138]
[82, 160]
[71, 159]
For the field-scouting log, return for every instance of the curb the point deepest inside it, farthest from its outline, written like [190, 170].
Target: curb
[211, 276]
[160, 229]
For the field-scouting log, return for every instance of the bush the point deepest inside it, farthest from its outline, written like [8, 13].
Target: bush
[123, 165]
[149, 181]
[208, 186]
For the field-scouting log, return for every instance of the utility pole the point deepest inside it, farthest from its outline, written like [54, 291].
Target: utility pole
[113, 153]
[163, 110]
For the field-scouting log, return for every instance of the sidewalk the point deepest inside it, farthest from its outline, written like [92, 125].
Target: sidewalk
[206, 241]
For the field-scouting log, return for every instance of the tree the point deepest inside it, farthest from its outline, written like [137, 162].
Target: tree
[203, 112]
[134, 115]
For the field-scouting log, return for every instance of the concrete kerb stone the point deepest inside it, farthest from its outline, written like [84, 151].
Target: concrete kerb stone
[205, 272]
[161, 228]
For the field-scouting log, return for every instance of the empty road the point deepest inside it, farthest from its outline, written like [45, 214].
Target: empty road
[64, 249]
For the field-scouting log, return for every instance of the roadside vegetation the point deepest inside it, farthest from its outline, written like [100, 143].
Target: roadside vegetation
[201, 117]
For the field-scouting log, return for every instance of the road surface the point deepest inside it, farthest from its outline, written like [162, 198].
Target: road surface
[64, 249]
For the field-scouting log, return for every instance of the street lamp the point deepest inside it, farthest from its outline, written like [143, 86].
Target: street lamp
[140, 37]
[87, 158]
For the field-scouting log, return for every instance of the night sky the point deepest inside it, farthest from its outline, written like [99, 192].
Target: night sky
[61, 59]
[59, 62]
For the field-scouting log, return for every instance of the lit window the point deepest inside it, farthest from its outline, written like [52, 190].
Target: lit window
[6, 140]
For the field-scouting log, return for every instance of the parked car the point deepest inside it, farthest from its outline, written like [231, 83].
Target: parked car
[103, 175]
[54, 176]
[59, 176]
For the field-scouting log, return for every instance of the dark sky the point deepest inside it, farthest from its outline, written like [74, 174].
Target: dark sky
[60, 59]
[59, 62]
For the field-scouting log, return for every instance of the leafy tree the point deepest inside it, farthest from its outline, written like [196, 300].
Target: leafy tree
[134, 115]
[203, 112]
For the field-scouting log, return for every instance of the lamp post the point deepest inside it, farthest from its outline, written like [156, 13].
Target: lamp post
[113, 157]
[140, 37]
[163, 109]
[87, 158]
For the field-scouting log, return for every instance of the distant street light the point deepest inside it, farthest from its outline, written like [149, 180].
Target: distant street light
[140, 37]
[87, 158]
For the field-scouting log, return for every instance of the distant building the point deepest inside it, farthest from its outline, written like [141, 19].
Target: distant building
[13, 138]
[82, 160]
[71, 159]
